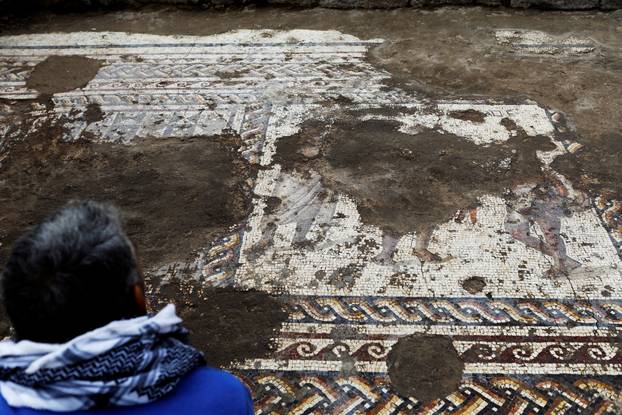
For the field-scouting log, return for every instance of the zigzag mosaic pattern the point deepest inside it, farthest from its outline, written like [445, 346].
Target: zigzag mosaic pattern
[325, 393]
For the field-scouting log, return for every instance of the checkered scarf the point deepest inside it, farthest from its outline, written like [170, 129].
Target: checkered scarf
[126, 362]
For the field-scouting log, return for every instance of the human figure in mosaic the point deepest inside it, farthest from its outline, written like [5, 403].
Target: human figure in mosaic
[542, 204]
[82, 340]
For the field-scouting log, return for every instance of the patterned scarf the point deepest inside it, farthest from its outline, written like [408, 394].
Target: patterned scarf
[126, 362]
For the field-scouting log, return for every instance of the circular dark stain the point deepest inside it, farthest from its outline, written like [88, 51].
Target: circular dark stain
[425, 367]
[471, 115]
[474, 285]
[62, 73]
[93, 113]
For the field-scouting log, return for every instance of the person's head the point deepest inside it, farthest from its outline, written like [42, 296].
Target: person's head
[74, 272]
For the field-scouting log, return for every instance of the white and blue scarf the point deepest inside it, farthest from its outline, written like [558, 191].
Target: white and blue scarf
[126, 362]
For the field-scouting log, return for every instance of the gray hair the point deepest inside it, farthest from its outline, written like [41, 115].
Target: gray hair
[70, 274]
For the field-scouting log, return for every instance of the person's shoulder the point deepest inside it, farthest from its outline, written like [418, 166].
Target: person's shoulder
[204, 391]
[217, 377]
[216, 390]
[4, 407]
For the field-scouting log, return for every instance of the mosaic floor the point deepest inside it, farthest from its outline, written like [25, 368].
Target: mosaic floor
[531, 343]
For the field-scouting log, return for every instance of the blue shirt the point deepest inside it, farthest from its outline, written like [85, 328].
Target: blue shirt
[204, 391]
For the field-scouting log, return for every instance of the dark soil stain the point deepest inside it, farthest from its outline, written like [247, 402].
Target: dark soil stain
[474, 285]
[509, 124]
[345, 277]
[595, 168]
[341, 100]
[402, 280]
[405, 182]
[425, 367]
[469, 115]
[226, 324]
[293, 151]
[16, 115]
[231, 74]
[62, 73]
[93, 113]
[348, 366]
[272, 205]
[175, 195]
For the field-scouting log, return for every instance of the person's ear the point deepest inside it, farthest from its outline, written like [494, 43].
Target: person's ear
[139, 297]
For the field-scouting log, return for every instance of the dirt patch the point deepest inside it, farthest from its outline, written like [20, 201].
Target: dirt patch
[402, 280]
[231, 74]
[471, 115]
[466, 61]
[595, 168]
[62, 73]
[345, 277]
[93, 113]
[348, 366]
[175, 195]
[425, 367]
[474, 285]
[228, 325]
[509, 124]
[272, 205]
[405, 182]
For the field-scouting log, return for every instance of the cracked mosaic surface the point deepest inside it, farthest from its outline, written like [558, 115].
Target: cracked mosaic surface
[530, 343]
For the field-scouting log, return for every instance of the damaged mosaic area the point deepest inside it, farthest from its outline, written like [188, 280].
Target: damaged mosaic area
[511, 272]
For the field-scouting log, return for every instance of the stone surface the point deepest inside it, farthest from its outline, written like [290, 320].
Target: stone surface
[438, 3]
[345, 4]
[338, 4]
[556, 4]
[610, 4]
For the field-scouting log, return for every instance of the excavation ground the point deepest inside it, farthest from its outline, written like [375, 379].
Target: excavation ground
[443, 53]
[226, 324]
[42, 172]
[446, 52]
[403, 182]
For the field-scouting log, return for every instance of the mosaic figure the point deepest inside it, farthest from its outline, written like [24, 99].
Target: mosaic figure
[543, 205]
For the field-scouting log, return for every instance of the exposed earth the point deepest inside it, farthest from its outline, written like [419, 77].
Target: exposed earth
[42, 172]
[228, 325]
[62, 73]
[180, 196]
[409, 181]
[414, 369]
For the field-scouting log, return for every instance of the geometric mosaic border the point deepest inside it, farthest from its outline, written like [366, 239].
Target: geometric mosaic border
[383, 310]
[327, 393]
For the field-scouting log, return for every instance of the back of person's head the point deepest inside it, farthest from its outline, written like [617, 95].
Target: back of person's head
[74, 272]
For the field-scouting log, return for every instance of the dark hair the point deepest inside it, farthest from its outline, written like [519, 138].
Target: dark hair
[72, 273]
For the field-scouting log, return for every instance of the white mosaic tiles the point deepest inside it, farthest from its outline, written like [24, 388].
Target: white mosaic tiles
[543, 43]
